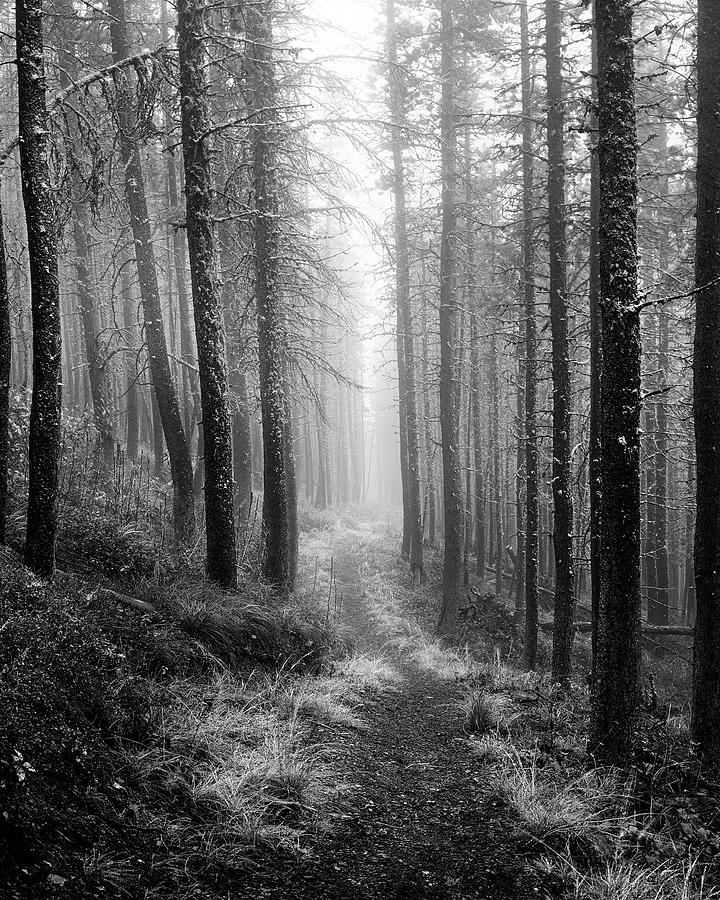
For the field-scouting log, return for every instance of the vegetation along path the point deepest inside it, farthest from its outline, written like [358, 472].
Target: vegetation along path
[416, 819]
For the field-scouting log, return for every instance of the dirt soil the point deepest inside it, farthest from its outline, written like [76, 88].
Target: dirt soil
[418, 819]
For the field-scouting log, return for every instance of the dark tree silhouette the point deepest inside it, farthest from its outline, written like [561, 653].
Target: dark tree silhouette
[706, 372]
[45, 412]
[561, 448]
[449, 393]
[616, 687]
[528, 274]
[209, 331]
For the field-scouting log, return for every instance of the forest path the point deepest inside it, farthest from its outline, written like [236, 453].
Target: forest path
[417, 820]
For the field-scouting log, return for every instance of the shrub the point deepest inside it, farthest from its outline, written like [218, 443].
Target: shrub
[64, 702]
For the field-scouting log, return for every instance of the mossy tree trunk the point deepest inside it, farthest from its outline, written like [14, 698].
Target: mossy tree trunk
[208, 312]
[557, 239]
[45, 410]
[5, 375]
[616, 688]
[280, 536]
[706, 371]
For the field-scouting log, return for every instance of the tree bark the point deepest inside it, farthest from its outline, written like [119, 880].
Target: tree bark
[595, 361]
[449, 401]
[530, 425]
[95, 351]
[616, 689]
[405, 322]
[208, 312]
[165, 393]
[5, 376]
[45, 411]
[561, 469]
[706, 373]
[277, 441]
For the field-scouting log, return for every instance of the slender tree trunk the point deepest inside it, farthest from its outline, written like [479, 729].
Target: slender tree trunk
[616, 690]
[427, 416]
[45, 411]
[520, 478]
[132, 411]
[165, 393]
[706, 372]
[449, 406]
[595, 363]
[191, 398]
[242, 445]
[209, 331]
[662, 574]
[497, 487]
[561, 470]
[95, 352]
[5, 375]
[404, 307]
[478, 452]
[530, 429]
[690, 591]
[277, 440]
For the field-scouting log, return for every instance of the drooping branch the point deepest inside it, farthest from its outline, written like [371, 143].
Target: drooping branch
[98, 75]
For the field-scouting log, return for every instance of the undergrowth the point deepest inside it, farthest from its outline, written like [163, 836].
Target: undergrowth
[153, 728]
[650, 832]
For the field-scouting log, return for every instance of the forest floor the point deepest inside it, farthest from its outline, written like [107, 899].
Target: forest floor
[161, 739]
[417, 818]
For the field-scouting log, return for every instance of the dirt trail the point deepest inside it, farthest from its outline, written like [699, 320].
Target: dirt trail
[418, 821]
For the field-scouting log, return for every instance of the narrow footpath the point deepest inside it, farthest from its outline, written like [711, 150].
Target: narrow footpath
[416, 820]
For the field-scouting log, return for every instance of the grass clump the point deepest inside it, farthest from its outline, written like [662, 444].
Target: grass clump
[550, 807]
[486, 713]
[245, 626]
[235, 759]
[622, 879]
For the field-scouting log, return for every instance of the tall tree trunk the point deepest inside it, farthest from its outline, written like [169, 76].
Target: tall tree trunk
[5, 370]
[427, 416]
[189, 378]
[706, 372]
[132, 410]
[476, 390]
[95, 352]
[616, 689]
[662, 574]
[404, 307]
[449, 405]
[277, 441]
[561, 469]
[209, 332]
[530, 429]
[595, 362]
[45, 411]
[496, 479]
[165, 393]
[242, 445]
[689, 592]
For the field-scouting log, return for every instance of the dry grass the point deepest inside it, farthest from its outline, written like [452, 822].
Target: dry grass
[487, 713]
[549, 806]
[622, 879]
[239, 758]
